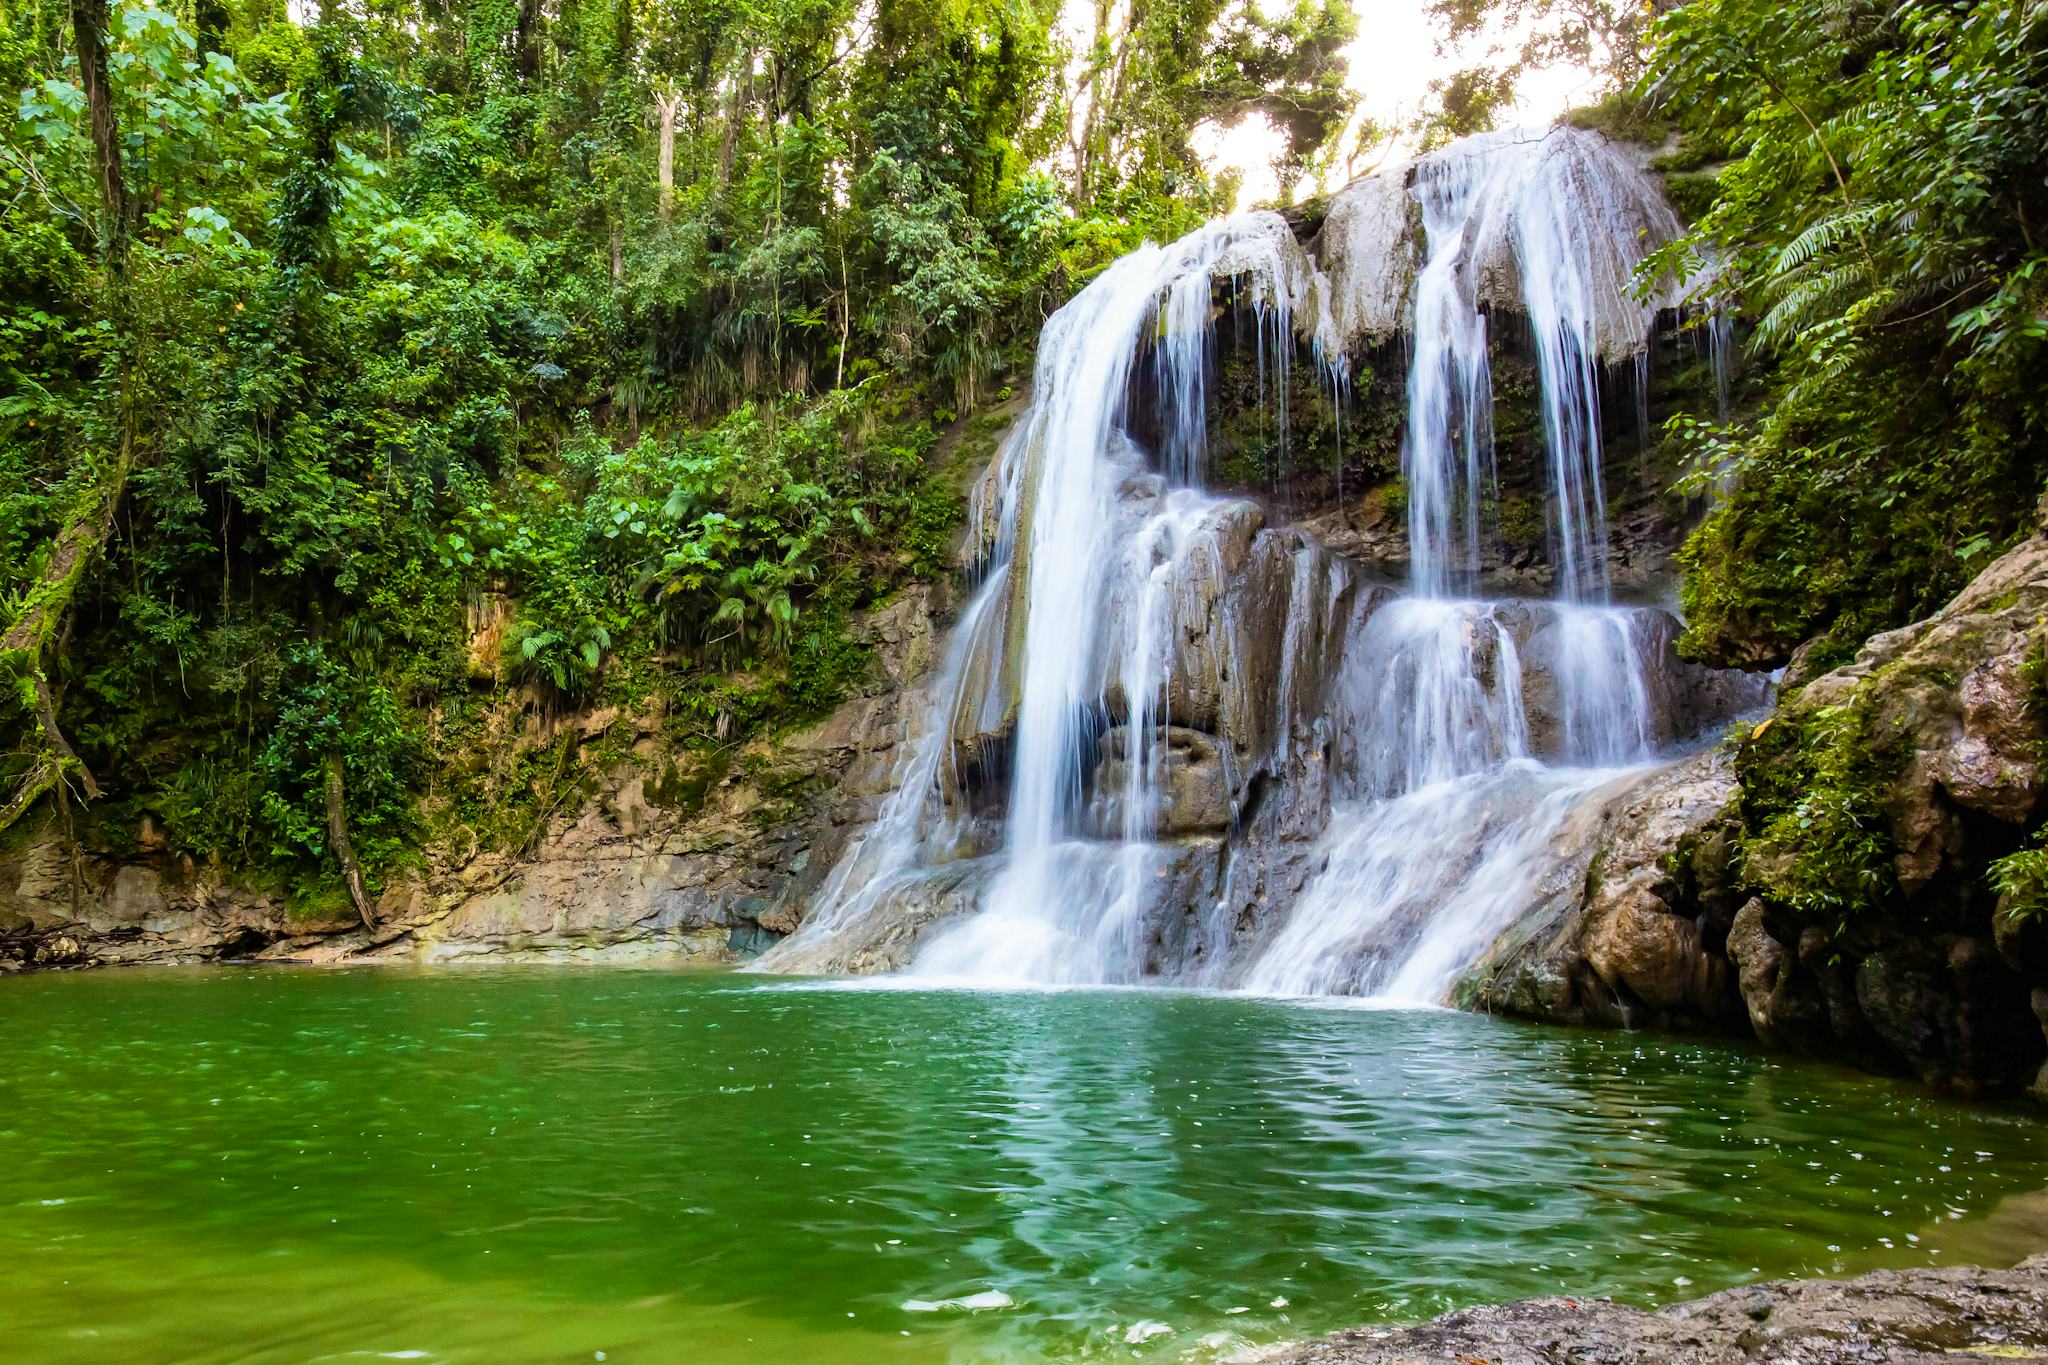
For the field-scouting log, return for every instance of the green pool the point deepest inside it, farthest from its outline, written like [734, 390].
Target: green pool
[551, 1164]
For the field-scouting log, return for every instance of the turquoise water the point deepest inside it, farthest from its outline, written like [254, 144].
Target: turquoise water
[543, 1164]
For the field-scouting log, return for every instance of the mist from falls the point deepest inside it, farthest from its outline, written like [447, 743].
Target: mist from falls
[1090, 799]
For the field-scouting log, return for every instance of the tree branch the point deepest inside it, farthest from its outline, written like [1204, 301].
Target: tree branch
[344, 851]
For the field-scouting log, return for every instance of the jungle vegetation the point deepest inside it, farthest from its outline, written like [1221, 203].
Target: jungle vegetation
[327, 333]
[332, 336]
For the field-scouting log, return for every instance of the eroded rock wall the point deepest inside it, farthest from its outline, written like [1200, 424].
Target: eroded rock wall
[669, 857]
[1827, 882]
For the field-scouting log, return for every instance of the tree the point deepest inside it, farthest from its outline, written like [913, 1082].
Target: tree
[1876, 219]
[40, 621]
[389, 319]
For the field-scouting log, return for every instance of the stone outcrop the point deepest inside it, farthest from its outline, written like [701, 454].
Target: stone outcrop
[1825, 884]
[671, 858]
[1934, 736]
[1901, 1317]
[1632, 930]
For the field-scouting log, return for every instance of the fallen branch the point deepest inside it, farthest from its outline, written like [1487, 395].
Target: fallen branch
[344, 852]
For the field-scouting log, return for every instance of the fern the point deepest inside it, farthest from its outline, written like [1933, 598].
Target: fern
[1813, 301]
[1824, 236]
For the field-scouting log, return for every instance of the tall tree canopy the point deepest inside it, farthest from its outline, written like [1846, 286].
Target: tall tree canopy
[326, 334]
[1876, 211]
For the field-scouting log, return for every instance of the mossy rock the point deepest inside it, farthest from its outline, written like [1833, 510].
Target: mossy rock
[684, 782]
[1692, 193]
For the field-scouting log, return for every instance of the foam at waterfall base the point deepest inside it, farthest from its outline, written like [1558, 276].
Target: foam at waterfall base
[1415, 886]
[1076, 920]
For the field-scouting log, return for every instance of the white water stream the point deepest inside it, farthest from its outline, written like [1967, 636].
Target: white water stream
[1448, 740]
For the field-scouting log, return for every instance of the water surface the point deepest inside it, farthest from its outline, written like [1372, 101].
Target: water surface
[513, 1165]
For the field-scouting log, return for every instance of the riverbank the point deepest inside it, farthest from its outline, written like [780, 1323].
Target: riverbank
[1897, 1316]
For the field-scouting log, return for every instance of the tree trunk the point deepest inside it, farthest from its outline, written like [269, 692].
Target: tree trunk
[525, 40]
[1091, 91]
[29, 638]
[735, 116]
[67, 757]
[344, 852]
[668, 105]
[89, 29]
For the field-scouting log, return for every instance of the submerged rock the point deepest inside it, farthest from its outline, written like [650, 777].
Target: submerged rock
[1902, 1317]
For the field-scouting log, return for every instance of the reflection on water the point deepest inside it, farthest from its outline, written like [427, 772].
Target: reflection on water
[506, 1165]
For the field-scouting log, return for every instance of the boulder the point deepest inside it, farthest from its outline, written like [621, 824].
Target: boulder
[1634, 926]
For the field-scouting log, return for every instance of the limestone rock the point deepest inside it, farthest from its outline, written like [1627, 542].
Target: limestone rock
[1902, 1317]
[1197, 796]
[1777, 1013]
[489, 622]
[1635, 930]
[1929, 976]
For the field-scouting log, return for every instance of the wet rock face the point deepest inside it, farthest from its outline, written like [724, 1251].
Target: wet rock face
[1903, 1317]
[1697, 906]
[1196, 794]
[1339, 475]
[636, 873]
[909, 913]
[1635, 932]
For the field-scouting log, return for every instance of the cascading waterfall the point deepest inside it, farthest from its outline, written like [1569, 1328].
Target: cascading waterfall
[1446, 455]
[1071, 541]
[1146, 660]
[1039, 925]
[1446, 840]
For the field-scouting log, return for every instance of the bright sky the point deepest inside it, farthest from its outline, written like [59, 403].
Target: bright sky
[1392, 63]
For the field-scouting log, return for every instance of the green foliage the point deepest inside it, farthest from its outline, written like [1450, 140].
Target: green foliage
[2021, 881]
[1817, 839]
[1502, 41]
[1874, 219]
[1177, 64]
[324, 708]
[1623, 116]
[489, 361]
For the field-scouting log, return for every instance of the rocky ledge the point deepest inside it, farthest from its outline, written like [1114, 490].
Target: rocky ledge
[1903, 1316]
[670, 857]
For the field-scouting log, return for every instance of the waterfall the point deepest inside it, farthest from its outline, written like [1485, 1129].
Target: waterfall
[1447, 840]
[1158, 704]
[1054, 912]
[1552, 225]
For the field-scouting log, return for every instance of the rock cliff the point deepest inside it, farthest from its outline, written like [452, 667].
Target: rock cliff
[672, 856]
[1831, 881]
